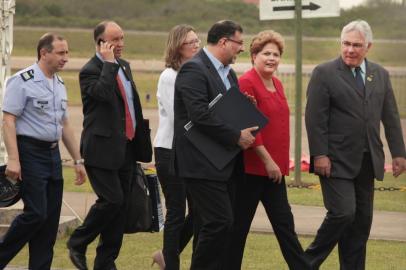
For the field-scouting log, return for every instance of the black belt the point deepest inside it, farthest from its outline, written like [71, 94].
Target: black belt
[36, 142]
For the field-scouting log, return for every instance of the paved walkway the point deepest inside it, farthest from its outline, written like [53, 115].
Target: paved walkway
[386, 225]
[20, 62]
[76, 119]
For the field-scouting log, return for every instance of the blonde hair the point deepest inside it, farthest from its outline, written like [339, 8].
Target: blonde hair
[176, 37]
[263, 38]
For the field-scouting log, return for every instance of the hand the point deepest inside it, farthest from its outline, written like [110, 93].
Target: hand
[80, 174]
[250, 98]
[106, 50]
[246, 137]
[322, 166]
[13, 169]
[273, 171]
[398, 166]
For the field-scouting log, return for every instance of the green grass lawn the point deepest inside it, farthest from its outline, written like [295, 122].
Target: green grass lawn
[145, 45]
[261, 252]
[137, 46]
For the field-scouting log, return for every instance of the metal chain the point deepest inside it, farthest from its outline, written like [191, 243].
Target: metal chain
[309, 186]
[318, 187]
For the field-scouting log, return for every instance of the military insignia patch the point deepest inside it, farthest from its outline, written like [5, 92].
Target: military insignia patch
[28, 75]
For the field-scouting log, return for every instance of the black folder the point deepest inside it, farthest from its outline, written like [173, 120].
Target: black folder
[237, 111]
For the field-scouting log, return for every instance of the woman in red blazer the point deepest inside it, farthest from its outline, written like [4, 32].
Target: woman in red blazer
[267, 161]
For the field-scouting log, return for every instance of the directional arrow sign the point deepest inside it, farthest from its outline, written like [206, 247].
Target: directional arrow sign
[311, 6]
[285, 9]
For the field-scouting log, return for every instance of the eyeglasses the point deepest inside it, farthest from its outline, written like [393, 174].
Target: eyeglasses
[348, 44]
[192, 42]
[239, 42]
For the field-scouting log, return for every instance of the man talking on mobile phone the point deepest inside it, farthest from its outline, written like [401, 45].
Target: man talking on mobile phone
[114, 137]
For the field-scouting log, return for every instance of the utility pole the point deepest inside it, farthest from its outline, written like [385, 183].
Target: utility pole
[7, 11]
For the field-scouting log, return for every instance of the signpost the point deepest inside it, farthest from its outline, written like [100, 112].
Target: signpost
[285, 9]
[298, 96]
[289, 9]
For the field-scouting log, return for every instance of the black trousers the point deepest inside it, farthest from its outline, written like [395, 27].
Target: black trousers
[178, 229]
[275, 201]
[213, 218]
[107, 216]
[349, 204]
[41, 192]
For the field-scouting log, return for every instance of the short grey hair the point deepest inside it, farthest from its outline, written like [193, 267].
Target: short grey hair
[360, 26]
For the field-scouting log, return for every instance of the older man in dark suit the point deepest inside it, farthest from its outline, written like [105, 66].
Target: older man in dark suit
[347, 99]
[114, 137]
[199, 81]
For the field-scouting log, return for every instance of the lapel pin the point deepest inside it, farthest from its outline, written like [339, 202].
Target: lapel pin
[369, 78]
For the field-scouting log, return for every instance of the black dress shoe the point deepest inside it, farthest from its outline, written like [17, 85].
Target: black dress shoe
[78, 259]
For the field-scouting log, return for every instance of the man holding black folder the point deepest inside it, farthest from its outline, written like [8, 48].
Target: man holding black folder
[199, 81]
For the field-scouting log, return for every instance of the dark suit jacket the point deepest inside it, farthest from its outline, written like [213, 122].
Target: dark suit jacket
[197, 84]
[103, 140]
[339, 120]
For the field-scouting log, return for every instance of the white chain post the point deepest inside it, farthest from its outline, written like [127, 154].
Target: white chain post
[7, 9]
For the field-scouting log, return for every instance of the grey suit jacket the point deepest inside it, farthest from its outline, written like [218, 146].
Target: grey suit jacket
[339, 119]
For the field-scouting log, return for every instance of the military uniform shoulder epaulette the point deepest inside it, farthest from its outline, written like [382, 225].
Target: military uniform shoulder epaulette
[60, 79]
[27, 75]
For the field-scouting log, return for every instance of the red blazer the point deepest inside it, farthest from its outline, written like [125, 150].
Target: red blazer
[275, 135]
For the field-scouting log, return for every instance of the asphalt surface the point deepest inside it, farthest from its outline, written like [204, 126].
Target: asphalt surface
[386, 225]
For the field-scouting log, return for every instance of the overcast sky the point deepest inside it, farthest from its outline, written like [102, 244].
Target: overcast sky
[350, 3]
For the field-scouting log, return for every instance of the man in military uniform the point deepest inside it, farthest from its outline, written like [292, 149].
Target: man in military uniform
[35, 118]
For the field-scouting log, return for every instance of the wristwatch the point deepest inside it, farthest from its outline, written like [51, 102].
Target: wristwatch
[79, 161]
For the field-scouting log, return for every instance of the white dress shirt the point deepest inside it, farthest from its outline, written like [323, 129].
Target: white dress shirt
[165, 96]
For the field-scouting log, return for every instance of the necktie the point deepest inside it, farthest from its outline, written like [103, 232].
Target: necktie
[129, 128]
[359, 80]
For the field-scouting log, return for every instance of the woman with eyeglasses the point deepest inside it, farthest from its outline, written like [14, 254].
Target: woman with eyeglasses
[267, 161]
[182, 44]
